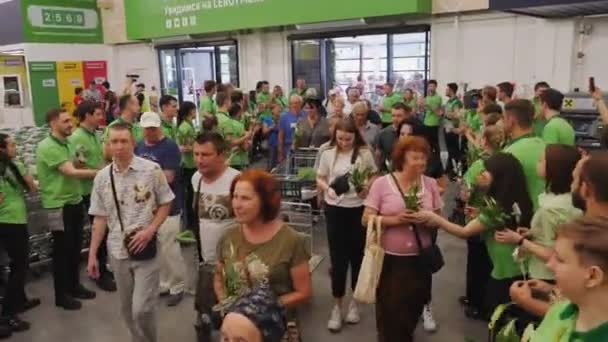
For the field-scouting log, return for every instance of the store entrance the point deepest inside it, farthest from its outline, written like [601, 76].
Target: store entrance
[184, 69]
[367, 60]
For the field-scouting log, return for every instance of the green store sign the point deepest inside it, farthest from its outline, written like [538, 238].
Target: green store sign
[61, 21]
[165, 18]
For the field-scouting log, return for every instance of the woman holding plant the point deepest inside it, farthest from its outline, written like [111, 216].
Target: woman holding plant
[404, 287]
[344, 175]
[506, 206]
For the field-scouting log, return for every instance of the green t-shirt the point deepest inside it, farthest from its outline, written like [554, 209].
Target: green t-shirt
[413, 104]
[296, 91]
[269, 262]
[12, 207]
[473, 120]
[282, 101]
[229, 129]
[501, 254]
[538, 125]
[136, 130]
[528, 149]
[87, 146]
[470, 177]
[559, 325]
[432, 104]
[186, 134]
[169, 129]
[56, 189]
[452, 106]
[389, 101]
[264, 98]
[207, 105]
[558, 131]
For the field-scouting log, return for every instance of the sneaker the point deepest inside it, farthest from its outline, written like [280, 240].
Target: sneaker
[68, 303]
[106, 283]
[15, 323]
[464, 301]
[353, 317]
[29, 304]
[335, 320]
[82, 292]
[428, 321]
[175, 299]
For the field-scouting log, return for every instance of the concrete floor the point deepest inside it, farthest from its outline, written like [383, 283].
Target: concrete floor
[99, 320]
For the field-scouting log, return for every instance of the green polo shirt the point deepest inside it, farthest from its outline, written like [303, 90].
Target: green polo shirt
[169, 129]
[559, 325]
[413, 104]
[432, 104]
[12, 206]
[528, 149]
[452, 106]
[56, 189]
[186, 134]
[136, 130]
[87, 147]
[470, 177]
[558, 131]
[264, 98]
[389, 101]
[539, 122]
[296, 91]
[473, 120]
[281, 100]
[229, 129]
[208, 105]
[501, 254]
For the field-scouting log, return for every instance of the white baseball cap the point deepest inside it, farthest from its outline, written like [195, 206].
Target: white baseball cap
[149, 119]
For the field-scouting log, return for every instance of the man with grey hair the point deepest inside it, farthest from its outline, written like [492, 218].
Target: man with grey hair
[352, 97]
[287, 125]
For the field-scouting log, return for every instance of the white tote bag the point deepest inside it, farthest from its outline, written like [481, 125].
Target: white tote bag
[371, 267]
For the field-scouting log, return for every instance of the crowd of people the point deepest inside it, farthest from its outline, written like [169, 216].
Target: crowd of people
[532, 208]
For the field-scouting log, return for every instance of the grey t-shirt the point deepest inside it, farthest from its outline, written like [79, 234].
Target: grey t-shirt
[313, 136]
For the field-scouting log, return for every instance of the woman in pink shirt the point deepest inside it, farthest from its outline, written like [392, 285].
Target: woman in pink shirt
[404, 287]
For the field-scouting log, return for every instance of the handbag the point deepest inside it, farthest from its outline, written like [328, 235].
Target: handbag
[371, 266]
[341, 184]
[430, 257]
[149, 251]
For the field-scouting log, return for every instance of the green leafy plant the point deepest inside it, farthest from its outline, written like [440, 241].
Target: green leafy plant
[307, 173]
[411, 199]
[359, 177]
[494, 213]
[474, 153]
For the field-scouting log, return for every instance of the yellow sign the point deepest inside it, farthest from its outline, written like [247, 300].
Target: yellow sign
[69, 77]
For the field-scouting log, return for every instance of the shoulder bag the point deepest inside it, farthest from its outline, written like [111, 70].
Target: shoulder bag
[149, 251]
[341, 184]
[430, 257]
[371, 267]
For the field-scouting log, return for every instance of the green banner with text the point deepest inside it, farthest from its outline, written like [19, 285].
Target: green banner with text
[61, 21]
[165, 18]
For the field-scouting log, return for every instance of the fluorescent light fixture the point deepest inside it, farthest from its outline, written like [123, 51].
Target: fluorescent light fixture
[171, 40]
[331, 25]
[15, 52]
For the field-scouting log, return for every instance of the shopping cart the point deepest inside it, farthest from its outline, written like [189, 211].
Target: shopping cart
[300, 217]
[294, 175]
[40, 240]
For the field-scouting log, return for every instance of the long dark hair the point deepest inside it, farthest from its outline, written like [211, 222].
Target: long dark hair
[509, 186]
[7, 163]
[348, 125]
[184, 111]
[560, 161]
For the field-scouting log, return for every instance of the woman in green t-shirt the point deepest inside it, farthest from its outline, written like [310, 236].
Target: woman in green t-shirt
[186, 134]
[14, 182]
[507, 186]
[261, 248]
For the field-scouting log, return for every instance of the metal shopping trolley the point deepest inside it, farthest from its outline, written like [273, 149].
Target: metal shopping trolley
[40, 240]
[294, 175]
[299, 216]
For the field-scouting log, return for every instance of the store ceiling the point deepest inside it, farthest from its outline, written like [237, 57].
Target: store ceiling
[544, 9]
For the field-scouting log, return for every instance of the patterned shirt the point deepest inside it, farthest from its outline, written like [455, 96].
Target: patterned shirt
[140, 191]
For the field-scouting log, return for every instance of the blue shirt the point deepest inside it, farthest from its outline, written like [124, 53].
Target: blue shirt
[273, 136]
[287, 124]
[166, 154]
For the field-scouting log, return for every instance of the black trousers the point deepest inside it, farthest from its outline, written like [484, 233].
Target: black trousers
[102, 251]
[479, 267]
[432, 134]
[190, 219]
[497, 292]
[67, 245]
[346, 238]
[403, 290]
[14, 238]
[455, 152]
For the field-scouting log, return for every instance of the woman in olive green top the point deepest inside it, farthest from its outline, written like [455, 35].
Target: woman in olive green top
[261, 248]
[14, 182]
[507, 185]
[186, 134]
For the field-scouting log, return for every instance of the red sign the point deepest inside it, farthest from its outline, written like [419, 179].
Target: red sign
[95, 71]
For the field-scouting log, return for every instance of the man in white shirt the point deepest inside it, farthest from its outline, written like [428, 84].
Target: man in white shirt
[211, 184]
[352, 97]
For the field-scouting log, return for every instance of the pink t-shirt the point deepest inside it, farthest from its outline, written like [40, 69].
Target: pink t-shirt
[384, 197]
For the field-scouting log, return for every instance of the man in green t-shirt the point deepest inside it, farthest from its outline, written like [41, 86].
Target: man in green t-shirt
[505, 92]
[528, 149]
[557, 130]
[207, 106]
[233, 132]
[168, 113]
[539, 120]
[89, 155]
[410, 100]
[451, 124]
[279, 98]
[60, 191]
[263, 99]
[300, 88]
[129, 109]
[390, 99]
[432, 107]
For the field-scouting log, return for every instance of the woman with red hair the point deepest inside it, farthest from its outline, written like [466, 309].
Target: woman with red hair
[261, 248]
